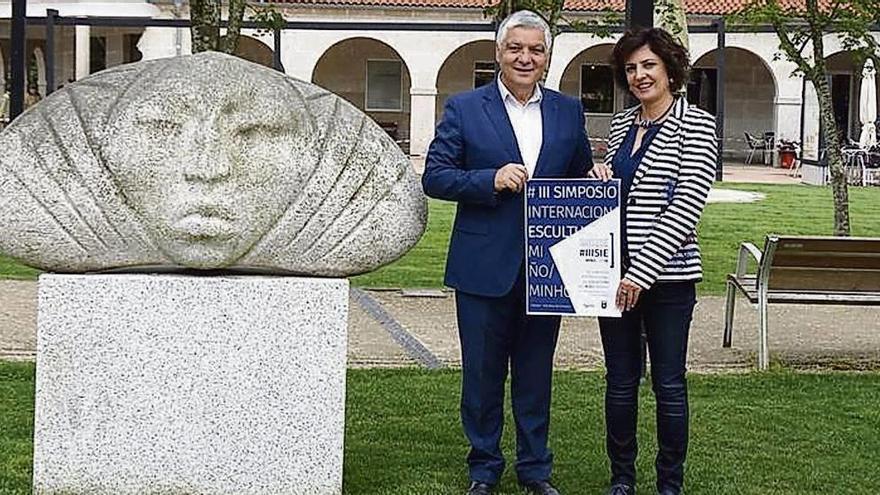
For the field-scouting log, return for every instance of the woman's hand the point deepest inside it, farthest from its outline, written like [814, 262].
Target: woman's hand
[600, 171]
[628, 293]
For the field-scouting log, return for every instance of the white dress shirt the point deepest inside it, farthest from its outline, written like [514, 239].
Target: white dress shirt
[527, 125]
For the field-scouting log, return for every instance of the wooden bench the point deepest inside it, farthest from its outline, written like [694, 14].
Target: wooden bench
[803, 270]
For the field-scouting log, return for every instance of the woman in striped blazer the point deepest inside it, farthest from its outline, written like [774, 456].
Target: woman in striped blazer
[664, 151]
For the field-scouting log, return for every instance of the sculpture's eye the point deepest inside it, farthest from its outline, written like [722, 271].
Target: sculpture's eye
[162, 125]
[257, 130]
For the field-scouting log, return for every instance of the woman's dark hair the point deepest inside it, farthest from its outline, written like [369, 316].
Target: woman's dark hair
[675, 57]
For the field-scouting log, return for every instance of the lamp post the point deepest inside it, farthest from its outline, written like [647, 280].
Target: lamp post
[639, 13]
[17, 61]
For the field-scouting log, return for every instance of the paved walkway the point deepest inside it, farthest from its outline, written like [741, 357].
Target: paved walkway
[417, 328]
[759, 174]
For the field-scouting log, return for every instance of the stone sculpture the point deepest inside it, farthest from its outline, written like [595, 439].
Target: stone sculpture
[204, 162]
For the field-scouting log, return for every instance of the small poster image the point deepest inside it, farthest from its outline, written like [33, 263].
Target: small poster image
[572, 247]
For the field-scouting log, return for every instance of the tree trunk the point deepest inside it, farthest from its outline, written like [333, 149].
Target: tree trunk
[834, 156]
[829, 127]
[553, 17]
[205, 16]
[233, 30]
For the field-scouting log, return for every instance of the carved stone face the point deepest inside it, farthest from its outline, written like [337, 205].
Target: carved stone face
[210, 174]
[204, 161]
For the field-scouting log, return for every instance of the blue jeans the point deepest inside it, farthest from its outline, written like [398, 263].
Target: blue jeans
[666, 310]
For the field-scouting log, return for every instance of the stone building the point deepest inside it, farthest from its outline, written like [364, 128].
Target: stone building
[402, 76]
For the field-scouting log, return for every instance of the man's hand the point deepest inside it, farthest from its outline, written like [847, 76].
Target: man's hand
[600, 171]
[628, 293]
[512, 176]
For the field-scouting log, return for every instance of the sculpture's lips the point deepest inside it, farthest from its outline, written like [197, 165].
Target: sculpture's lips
[202, 227]
[207, 222]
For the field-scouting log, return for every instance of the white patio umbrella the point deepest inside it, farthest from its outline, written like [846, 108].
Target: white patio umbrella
[868, 106]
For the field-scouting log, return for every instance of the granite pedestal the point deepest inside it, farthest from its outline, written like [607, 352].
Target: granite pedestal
[173, 384]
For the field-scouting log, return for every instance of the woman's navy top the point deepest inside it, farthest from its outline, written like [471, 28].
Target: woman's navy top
[626, 162]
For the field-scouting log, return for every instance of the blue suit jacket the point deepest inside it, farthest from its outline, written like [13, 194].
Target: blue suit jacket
[473, 140]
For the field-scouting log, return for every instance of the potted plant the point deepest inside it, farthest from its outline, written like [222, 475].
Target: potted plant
[787, 152]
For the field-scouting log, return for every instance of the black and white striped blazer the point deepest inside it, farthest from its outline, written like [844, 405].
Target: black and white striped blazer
[668, 194]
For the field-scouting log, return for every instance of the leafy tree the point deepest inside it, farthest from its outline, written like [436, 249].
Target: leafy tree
[205, 17]
[671, 16]
[801, 31]
[552, 12]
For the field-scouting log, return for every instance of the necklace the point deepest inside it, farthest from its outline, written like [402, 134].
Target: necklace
[647, 124]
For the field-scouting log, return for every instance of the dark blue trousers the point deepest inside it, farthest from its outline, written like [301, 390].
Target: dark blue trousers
[496, 335]
[666, 310]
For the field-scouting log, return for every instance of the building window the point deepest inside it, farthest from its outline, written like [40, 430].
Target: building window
[597, 88]
[131, 52]
[841, 95]
[384, 85]
[97, 54]
[701, 89]
[484, 73]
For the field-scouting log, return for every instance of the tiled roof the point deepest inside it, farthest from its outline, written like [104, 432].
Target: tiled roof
[692, 6]
[462, 4]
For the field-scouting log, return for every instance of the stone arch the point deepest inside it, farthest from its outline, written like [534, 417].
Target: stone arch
[578, 72]
[588, 76]
[40, 61]
[464, 69]
[347, 69]
[763, 46]
[566, 47]
[255, 50]
[750, 95]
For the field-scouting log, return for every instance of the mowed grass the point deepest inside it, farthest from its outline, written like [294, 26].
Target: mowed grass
[12, 269]
[779, 432]
[787, 209]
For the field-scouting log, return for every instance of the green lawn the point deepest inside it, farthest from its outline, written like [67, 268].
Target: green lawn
[792, 210]
[11, 269]
[780, 433]
[788, 209]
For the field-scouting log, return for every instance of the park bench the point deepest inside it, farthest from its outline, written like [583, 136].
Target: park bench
[803, 270]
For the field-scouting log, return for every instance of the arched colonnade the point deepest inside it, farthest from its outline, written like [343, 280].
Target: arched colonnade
[432, 66]
[402, 78]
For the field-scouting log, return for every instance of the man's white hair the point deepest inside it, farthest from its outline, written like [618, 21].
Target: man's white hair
[526, 19]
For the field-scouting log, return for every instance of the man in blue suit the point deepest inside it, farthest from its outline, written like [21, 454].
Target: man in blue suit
[488, 144]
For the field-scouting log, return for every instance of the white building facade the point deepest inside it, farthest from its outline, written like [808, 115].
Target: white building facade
[401, 77]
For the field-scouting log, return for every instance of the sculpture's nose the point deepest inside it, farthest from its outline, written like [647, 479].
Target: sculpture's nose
[208, 160]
